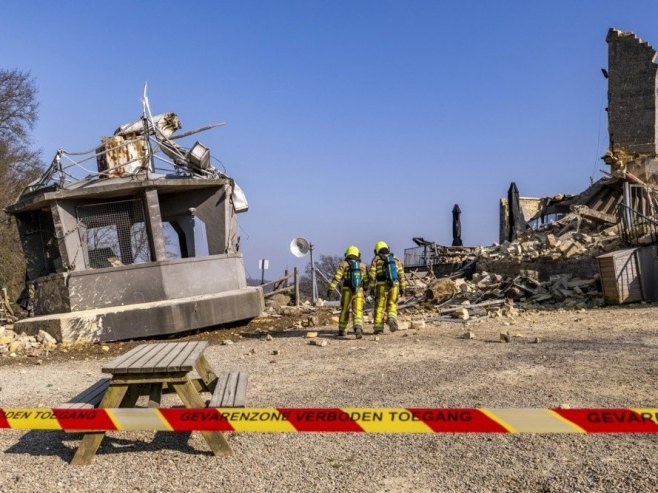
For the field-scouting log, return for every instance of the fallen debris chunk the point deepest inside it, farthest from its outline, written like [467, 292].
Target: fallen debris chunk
[318, 342]
[509, 311]
[44, 337]
[469, 335]
[594, 215]
[310, 335]
[461, 313]
[441, 289]
[505, 337]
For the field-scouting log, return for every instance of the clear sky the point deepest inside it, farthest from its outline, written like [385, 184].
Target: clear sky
[347, 121]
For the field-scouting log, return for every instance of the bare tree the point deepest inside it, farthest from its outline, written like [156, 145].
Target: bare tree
[19, 164]
[18, 105]
[327, 264]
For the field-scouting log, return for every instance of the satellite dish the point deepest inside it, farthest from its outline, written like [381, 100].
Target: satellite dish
[299, 247]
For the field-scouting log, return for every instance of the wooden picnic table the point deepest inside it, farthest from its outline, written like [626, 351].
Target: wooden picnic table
[151, 370]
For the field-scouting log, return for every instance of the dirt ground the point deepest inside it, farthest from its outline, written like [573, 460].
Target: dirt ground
[596, 358]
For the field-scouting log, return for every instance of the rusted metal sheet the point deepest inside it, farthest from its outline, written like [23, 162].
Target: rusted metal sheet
[121, 157]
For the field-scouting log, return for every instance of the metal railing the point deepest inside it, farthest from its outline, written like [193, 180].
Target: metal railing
[635, 228]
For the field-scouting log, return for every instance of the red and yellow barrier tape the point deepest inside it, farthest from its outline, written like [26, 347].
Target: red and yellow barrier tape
[368, 420]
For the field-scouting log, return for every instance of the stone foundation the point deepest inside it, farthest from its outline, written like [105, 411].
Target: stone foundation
[148, 319]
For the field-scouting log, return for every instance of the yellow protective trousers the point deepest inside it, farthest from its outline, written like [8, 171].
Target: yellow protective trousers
[386, 297]
[351, 299]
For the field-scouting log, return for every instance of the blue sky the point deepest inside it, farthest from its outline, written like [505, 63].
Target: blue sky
[347, 121]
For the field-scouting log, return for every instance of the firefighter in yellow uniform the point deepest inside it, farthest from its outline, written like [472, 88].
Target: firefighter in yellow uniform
[386, 277]
[352, 272]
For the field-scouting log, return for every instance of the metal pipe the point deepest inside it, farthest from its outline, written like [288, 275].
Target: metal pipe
[314, 288]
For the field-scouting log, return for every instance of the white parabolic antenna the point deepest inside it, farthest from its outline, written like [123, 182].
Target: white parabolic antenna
[299, 247]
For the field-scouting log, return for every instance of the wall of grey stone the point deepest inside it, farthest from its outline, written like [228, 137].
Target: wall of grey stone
[51, 295]
[632, 122]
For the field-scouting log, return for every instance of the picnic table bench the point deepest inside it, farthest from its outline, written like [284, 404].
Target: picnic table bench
[88, 398]
[153, 370]
[230, 391]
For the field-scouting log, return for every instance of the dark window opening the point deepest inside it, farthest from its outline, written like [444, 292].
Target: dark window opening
[39, 244]
[114, 233]
[185, 236]
[174, 245]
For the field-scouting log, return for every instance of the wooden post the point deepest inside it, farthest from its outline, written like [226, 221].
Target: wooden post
[296, 281]
[285, 282]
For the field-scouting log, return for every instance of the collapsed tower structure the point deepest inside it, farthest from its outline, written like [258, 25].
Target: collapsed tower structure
[145, 245]
[613, 222]
[632, 107]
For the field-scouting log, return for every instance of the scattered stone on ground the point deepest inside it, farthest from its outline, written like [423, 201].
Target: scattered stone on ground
[441, 370]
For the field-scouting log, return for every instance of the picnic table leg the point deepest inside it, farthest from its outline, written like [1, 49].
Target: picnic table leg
[131, 396]
[155, 395]
[205, 372]
[191, 398]
[91, 441]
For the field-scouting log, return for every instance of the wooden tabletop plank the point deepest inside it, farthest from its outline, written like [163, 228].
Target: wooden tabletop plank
[148, 350]
[158, 357]
[195, 354]
[149, 360]
[118, 361]
[183, 361]
[121, 364]
[165, 362]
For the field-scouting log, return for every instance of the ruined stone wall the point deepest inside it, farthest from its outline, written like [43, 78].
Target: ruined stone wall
[530, 206]
[632, 118]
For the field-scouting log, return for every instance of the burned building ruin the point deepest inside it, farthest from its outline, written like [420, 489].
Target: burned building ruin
[146, 245]
[614, 218]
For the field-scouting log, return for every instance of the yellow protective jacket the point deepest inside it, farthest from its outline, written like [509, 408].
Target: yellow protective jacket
[343, 272]
[376, 272]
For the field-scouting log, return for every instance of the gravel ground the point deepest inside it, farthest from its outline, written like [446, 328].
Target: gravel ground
[598, 358]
